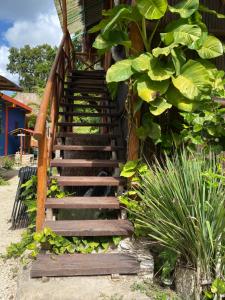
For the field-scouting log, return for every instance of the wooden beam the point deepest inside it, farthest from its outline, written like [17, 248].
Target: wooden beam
[42, 181]
[134, 120]
[64, 12]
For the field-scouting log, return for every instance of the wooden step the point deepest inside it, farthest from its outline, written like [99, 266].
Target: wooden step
[86, 81]
[83, 203]
[84, 163]
[92, 115]
[94, 136]
[88, 74]
[89, 180]
[48, 265]
[87, 89]
[84, 106]
[88, 98]
[84, 124]
[91, 227]
[86, 148]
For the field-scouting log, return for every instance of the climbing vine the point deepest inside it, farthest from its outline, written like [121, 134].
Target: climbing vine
[174, 71]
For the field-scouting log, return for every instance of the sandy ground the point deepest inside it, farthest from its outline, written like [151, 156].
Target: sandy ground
[9, 268]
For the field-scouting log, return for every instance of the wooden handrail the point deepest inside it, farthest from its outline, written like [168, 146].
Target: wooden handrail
[54, 91]
[42, 116]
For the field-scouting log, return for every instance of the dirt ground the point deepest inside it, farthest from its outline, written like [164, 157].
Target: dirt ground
[9, 268]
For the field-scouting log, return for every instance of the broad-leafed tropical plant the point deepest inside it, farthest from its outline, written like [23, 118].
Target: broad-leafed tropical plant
[176, 68]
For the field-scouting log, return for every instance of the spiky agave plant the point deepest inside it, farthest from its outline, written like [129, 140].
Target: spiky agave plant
[182, 208]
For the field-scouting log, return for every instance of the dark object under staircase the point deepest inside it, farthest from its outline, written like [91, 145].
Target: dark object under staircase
[78, 159]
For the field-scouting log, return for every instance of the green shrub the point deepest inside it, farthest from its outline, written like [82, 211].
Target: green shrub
[8, 163]
[3, 181]
[181, 206]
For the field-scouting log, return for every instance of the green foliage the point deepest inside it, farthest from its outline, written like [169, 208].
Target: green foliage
[54, 190]
[33, 242]
[205, 129]
[7, 163]
[153, 291]
[217, 289]
[175, 73]
[16, 250]
[29, 196]
[32, 65]
[3, 181]
[182, 208]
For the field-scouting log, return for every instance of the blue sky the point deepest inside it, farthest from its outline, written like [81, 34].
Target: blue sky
[23, 22]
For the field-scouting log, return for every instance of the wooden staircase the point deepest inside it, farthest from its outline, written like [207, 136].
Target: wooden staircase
[91, 154]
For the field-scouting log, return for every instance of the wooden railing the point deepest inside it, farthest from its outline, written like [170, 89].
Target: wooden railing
[54, 91]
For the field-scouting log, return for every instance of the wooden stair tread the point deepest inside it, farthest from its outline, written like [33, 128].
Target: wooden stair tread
[85, 114]
[83, 264]
[88, 98]
[88, 89]
[83, 203]
[95, 106]
[91, 163]
[87, 135]
[84, 124]
[91, 227]
[86, 148]
[89, 180]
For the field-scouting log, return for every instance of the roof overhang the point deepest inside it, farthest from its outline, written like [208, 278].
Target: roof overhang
[22, 130]
[15, 103]
[7, 85]
[81, 14]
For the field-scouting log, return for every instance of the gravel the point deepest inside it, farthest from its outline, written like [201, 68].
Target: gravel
[8, 268]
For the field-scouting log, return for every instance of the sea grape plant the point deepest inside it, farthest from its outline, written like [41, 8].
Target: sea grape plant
[175, 69]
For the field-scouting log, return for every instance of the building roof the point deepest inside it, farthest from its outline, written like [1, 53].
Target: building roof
[7, 85]
[81, 15]
[15, 103]
[22, 130]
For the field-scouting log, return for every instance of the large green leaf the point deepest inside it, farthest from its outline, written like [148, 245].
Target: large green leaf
[163, 51]
[152, 9]
[185, 8]
[178, 58]
[193, 80]
[158, 106]
[100, 43]
[120, 71]
[187, 34]
[142, 62]
[211, 48]
[184, 34]
[120, 14]
[115, 37]
[160, 70]
[178, 100]
[149, 90]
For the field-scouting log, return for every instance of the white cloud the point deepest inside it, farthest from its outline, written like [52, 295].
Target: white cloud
[4, 53]
[44, 29]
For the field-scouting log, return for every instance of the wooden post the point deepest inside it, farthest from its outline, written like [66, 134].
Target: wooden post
[21, 148]
[42, 181]
[64, 12]
[134, 120]
[6, 130]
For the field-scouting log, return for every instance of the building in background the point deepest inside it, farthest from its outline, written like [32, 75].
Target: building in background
[12, 116]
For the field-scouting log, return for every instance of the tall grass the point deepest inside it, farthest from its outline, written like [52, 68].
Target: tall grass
[182, 208]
